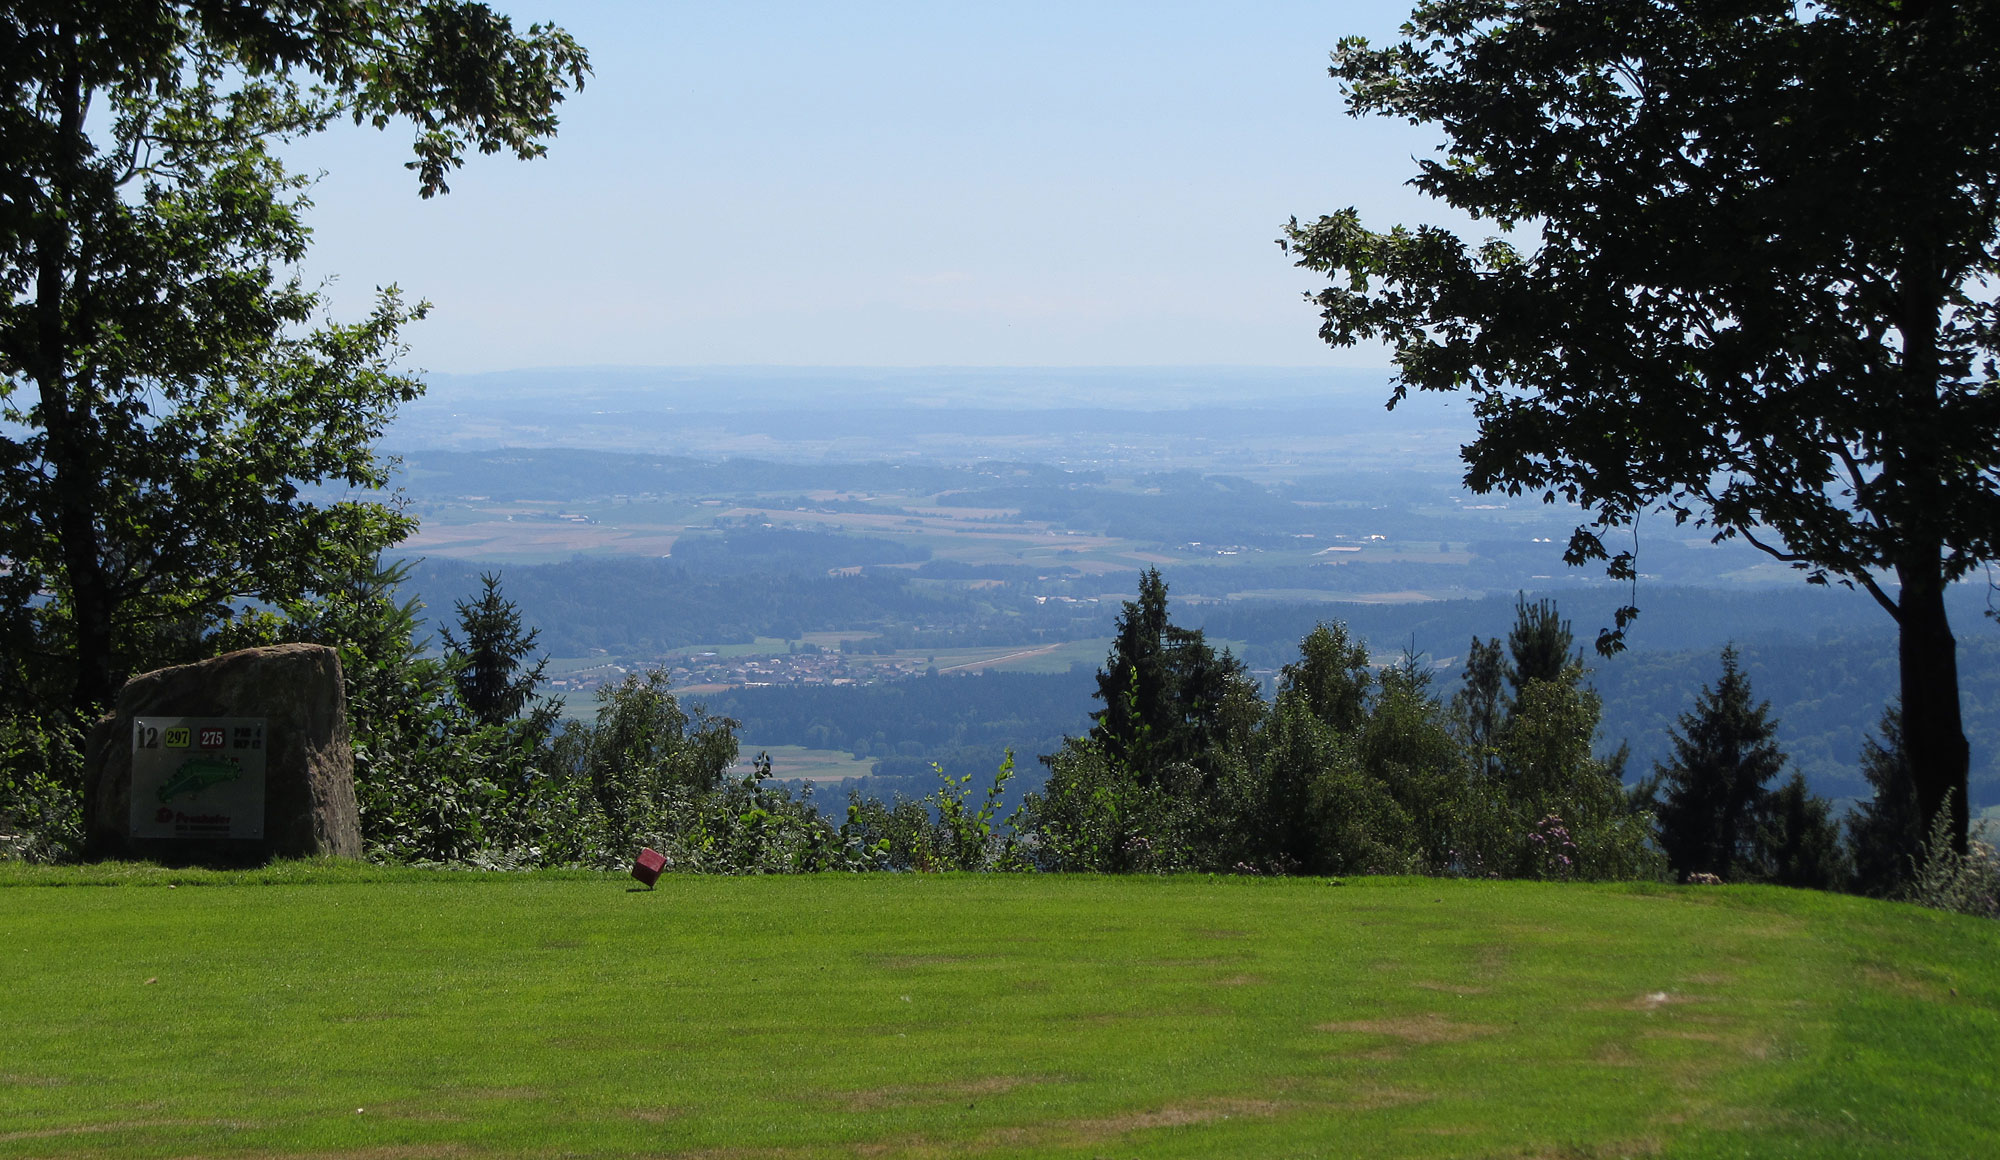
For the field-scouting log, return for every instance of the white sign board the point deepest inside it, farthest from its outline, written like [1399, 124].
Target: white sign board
[198, 777]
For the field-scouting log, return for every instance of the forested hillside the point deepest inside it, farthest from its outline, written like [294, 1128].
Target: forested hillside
[1820, 657]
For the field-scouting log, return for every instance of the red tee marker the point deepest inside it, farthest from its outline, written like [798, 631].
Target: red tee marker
[648, 866]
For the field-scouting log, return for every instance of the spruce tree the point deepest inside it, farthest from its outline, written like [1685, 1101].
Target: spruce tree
[1712, 793]
[1133, 684]
[1799, 840]
[1169, 698]
[1475, 708]
[486, 659]
[1883, 830]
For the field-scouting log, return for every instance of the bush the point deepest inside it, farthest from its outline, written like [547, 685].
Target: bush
[41, 789]
[941, 831]
[1944, 879]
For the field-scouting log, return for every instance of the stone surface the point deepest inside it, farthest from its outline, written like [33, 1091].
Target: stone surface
[309, 805]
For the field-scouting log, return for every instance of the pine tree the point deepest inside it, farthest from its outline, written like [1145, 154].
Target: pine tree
[1169, 698]
[486, 660]
[1540, 646]
[1135, 720]
[1475, 708]
[1799, 841]
[1712, 793]
[1884, 830]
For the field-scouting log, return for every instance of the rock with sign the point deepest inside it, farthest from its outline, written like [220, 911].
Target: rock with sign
[235, 759]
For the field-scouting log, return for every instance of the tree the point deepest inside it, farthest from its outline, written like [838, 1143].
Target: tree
[1304, 802]
[1476, 708]
[1884, 831]
[1408, 751]
[1755, 290]
[1552, 787]
[1540, 646]
[1133, 684]
[1712, 793]
[170, 384]
[486, 659]
[645, 755]
[1330, 678]
[1552, 807]
[1168, 697]
[1799, 840]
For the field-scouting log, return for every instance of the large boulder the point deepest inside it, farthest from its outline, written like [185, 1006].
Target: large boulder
[202, 737]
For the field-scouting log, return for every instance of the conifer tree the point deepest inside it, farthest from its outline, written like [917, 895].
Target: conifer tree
[1476, 707]
[1711, 794]
[1883, 830]
[1540, 646]
[486, 659]
[1798, 840]
[1168, 696]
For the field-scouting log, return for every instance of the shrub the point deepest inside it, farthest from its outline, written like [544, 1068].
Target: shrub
[1944, 879]
[41, 789]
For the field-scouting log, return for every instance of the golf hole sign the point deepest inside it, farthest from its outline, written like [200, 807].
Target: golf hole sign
[198, 777]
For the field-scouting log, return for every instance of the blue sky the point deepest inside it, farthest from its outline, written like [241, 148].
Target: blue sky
[862, 184]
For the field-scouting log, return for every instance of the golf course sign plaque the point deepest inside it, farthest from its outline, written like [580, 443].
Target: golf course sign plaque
[198, 777]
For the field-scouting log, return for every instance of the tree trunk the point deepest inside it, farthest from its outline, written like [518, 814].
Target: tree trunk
[1933, 732]
[62, 282]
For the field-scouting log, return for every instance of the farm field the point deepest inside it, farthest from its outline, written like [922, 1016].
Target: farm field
[331, 1010]
[798, 763]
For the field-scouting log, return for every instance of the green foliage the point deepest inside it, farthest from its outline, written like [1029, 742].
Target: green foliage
[432, 784]
[1477, 706]
[41, 789]
[1712, 796]
[1330, 679]
[1169, 699]
[441, 782]
[750, 827]
[1800, 840]
[171, 386]
[1717, 814]
[1095, 815]
[1549, 777]
[1883, 830]
[1540, 646]
[1347, 771]
[970, 842]
[1692, 325]
[1307, 803]
[1409, 755]
[486, 657]
[1943, 878]
[941, 831]
[633, 778]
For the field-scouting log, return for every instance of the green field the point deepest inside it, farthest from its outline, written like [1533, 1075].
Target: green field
[795, 762]
[330, 1011]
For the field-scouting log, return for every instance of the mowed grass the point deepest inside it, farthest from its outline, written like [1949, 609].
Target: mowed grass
[330, 1011]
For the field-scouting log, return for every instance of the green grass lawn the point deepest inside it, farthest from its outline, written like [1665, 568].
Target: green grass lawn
[330, 1011]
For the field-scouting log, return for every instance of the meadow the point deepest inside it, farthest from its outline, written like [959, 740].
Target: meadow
[338, 1010]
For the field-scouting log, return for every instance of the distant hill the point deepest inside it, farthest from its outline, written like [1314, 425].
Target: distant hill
[1824, 659]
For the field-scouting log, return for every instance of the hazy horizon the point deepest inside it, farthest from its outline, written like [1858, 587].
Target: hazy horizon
[881, 184]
